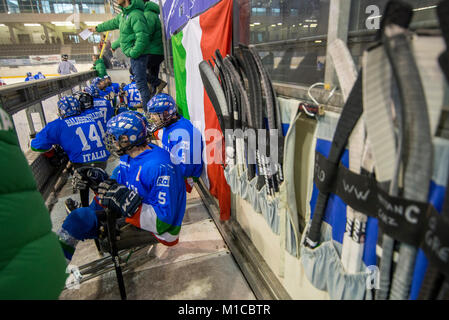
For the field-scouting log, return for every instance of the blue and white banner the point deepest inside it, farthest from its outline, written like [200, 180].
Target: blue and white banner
[177, 13]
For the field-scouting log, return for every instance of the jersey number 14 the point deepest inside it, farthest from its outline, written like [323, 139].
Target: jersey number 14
[93, 136]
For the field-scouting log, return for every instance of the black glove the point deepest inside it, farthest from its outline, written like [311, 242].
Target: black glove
[56, 156]
[119, 198]
[88, 177]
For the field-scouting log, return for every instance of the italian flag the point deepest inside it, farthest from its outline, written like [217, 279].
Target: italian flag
[197, 41]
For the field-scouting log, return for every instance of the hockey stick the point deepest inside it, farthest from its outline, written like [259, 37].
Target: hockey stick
[433, 286]
[235, 78]
[378, 89]
[349, 117]
[114, 252]
[255, 111]
[217, 97]
[270, 102]
[234, 102]
[418, 168]
[259, 85]
[353, 239]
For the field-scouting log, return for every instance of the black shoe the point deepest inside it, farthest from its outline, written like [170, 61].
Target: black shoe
[71, 205]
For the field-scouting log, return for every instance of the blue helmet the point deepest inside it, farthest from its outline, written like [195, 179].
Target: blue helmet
[68, 106]
[93, 91]
[131, 77]
[95, 82]
[162, 111]
[125, 131]
[29, 74]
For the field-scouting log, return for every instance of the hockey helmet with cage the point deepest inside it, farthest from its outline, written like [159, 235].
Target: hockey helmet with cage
[162, 111]
[85, 98]
[125, 131]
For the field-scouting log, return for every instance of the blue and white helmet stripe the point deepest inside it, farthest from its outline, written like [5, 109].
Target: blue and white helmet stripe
[68, 106]
[127, 126]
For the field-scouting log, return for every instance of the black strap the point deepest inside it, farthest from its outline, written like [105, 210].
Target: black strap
[408, 221]
[351, 113]
[400, 218]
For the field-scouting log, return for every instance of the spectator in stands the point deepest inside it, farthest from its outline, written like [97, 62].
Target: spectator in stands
[156, 55]
[65, 66]
[2, 82]
[133, 40]
[99, 66]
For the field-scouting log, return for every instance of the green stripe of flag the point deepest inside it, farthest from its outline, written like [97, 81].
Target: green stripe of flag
[179, 66]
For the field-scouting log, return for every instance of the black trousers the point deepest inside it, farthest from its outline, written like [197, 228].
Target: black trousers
[153, 65]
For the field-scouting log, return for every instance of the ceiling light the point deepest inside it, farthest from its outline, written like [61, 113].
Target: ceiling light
[273, 25]
[306, 26]
[32, 24]
[313, 25]
[2, 25]
[280, 24]
[256, 23]
[318, 41]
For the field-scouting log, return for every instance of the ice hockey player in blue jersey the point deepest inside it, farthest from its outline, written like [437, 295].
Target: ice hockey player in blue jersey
[132, 95]
[79, 134]
[101, 100]
[39, 75]
[111, 86]
[178, 136]
[29, 77]
[146, 188]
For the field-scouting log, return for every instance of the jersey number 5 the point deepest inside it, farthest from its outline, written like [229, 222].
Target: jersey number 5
[161, 196]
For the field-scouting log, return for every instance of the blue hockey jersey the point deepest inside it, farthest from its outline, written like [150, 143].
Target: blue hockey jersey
[185, 144]
[105, 106]
[80, 136]
[114, 87]
[162, 188]
[133, 95]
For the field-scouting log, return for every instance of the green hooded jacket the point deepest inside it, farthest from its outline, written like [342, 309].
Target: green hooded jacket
[100, 68]
[154, 29]
[133, 29]
[32, 263]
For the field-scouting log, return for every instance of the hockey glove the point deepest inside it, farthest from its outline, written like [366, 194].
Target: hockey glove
[119, 198]
[88, 177]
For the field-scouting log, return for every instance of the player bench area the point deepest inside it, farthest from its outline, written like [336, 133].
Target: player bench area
[200, 266]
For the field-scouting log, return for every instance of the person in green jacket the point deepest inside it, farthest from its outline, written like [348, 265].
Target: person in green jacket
[99, 66]
[133, 40]
[156, 56]
[32, 264]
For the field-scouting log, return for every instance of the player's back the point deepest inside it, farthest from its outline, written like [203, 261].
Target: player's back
[104, 106]
[132, 94]
[184, 142]
[160, 184]
[80, 136]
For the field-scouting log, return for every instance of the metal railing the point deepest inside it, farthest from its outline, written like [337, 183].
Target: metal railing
[28, 97]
